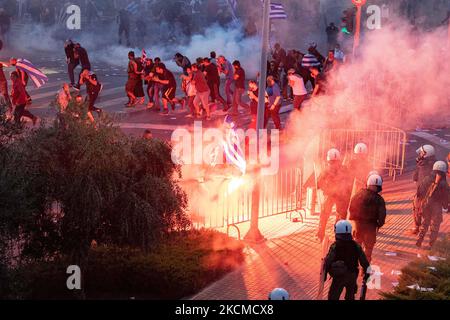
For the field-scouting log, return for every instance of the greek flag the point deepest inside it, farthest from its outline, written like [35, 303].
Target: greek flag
[277, 11]
[232, 146]
[36, 75]
[133, 8]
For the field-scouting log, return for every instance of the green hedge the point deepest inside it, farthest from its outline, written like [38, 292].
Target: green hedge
[180, 266]
[427, 274]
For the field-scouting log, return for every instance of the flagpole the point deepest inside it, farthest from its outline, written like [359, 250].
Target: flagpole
[254, 235]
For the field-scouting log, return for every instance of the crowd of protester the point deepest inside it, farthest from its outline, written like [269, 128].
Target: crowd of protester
[217, 81]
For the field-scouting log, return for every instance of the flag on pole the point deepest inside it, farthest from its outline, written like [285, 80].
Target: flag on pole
[36, 75]
[233, 8]
[232, 146]
[277, 11]
[133, 8]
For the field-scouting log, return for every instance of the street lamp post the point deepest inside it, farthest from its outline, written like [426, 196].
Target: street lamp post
[254, 235]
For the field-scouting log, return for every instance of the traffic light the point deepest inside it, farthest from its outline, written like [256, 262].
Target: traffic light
[348, 21]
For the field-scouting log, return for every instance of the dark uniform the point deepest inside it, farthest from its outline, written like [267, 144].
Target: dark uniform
[342, 263]
[359, 167]
[368, 211]
[432, 196]
[424, 167]
[336, 192]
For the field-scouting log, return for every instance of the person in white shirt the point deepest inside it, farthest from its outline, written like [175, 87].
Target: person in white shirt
[298, 87]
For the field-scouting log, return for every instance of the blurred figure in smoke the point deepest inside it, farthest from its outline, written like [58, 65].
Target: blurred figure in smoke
[213, 58]
[332, 34]
[167, 80]
[82, 55]
[213, 78]
[330, 62]
[226, 68]
[250, 28]
[273, 103]
[359, 166]
[123, 19]
[5, 25]
[72, 61]
[279, 58]
[424, 166]
[93, 88]
[298, 88]
[4, 85]
[339, 54]
[139, 88]
[148, 74]
[239, 87]
[319, 82]
[433, 195]
[19, 100]
[133, 78]
[202, 89]
[332, 183]
[183, 62]
[273, 71]
[368, 211]
[253, 93]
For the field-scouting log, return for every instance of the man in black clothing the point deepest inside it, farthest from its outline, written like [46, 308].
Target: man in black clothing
[424, 166]
[343, 261]
[93, 88]
[332, 33]
[213, 78]
[183, 62]
[368, 211]
[139, 88]
[239, 86]
[72, 62]
[124, 26]
[433, 198]
[82, 55]
[167, 79]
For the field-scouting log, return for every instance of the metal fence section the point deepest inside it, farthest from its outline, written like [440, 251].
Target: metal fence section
[387, 145]
[232, 205]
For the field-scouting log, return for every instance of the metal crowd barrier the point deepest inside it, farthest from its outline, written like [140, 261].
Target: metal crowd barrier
[279, 194]
[387, 145]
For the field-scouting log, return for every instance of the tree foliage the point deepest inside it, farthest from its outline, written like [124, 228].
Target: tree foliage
[64, 185]
[426, 274]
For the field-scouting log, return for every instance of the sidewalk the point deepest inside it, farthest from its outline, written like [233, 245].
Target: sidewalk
[291, 256]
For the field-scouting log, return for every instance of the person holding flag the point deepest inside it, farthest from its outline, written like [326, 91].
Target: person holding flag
[19, 99]
[26, 70]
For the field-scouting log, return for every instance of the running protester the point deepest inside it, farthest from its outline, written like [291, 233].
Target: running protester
[239, 86]
[93, 88]
[226, 68]
[134, 76]
[169, 89]
[298, 87]
[19, 99]
[201, 86]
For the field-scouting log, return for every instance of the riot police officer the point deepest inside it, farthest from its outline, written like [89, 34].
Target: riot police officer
[343, 261]
[368, 211]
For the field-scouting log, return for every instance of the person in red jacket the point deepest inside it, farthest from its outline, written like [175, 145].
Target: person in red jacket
[19, 99]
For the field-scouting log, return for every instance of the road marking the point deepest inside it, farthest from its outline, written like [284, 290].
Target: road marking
[433, 139]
